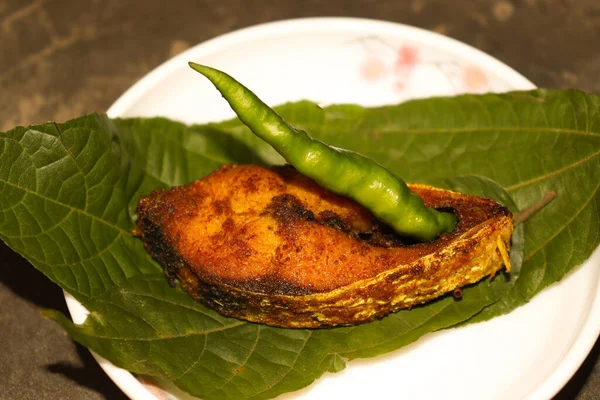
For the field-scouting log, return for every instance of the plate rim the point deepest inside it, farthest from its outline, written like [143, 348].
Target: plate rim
[575, 354]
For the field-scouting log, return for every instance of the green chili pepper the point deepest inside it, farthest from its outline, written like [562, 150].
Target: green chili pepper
[343, 172]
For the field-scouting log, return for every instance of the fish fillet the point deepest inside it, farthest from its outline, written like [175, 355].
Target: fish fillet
[269, 245]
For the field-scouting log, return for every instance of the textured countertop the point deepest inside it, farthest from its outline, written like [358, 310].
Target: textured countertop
[62, 59]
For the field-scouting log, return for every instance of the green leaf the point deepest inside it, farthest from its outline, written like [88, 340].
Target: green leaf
[68, 193]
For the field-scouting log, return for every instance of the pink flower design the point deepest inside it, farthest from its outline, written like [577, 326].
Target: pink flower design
[474, 79]
[407, 59]
[372, 69]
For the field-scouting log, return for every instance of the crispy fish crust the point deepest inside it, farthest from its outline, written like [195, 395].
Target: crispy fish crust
[271, 246]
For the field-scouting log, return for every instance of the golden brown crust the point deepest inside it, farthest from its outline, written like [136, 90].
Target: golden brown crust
[270, 246]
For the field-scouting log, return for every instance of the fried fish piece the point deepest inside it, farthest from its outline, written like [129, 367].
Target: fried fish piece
[271, 246]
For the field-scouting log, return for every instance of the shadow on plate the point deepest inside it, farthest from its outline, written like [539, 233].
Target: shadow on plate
[89, 375]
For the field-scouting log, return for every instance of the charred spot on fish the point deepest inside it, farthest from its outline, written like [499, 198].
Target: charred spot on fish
[221, 207]
[364, 236]
[381, 235]
[273, 284]
[394, 276]
[287, 171]
[250, 184]
[161, 251]
[417, 269]
[333, 220]
[500, 210]
[217, 298]
[287, 208]
[228, 225]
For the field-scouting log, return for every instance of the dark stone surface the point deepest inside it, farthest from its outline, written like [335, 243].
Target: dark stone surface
[61, 59]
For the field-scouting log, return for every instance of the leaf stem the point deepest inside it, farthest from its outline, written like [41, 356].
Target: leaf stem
[530, 211]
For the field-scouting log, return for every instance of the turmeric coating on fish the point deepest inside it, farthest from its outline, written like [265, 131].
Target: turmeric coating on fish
[269, 245]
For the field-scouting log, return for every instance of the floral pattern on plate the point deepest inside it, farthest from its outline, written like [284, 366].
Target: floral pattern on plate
[402, 67]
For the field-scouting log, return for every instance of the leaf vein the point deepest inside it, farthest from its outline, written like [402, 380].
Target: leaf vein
[78, 210]
[291, 367]
[567, 223]
[196, 361]
[551, 174]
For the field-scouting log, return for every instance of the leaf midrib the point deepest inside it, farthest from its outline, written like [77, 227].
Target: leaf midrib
[551, 174]
[473, 130]
[73, 209]
[167, 337]
[290, 368]
[564, 226]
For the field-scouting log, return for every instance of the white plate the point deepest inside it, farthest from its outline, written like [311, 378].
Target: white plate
[342, 60]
